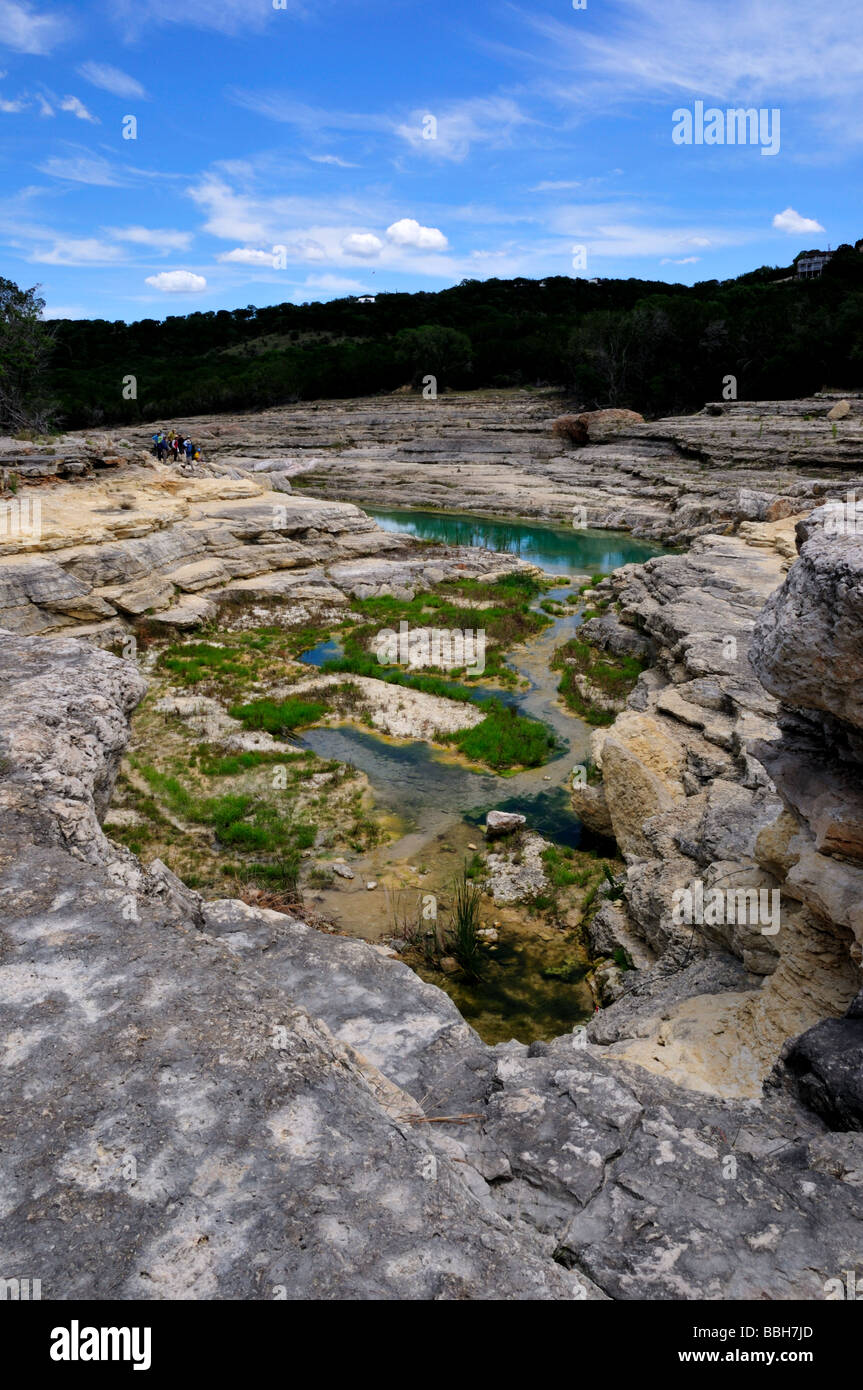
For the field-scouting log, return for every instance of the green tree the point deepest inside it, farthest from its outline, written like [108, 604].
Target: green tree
[25, 347]
[433, 350]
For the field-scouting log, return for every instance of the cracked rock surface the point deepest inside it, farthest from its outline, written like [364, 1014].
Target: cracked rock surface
[207, 1100]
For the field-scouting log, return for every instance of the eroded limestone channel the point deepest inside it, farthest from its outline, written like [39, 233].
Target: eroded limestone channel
[276, 1081]
[367, 792]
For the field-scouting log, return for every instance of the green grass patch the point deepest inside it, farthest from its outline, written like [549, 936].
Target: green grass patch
[614, 676]
[278, 718]
[505, 739]
[239, 820]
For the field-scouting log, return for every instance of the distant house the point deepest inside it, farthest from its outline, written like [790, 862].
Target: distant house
[367, 299]
[811, 264]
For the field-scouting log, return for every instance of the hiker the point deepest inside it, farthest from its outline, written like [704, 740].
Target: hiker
[189, 448]
[159, 445]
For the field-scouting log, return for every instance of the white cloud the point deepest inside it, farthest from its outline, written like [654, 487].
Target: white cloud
[112, 80]
[81, 169]
[78, 109]
[334, 282]
[243, 255]
[408, 232]
[332, 159]
[225, 16]
[45, 107]
[28, 31]
[753, 48]
[162, 239]
[78, 251]
[791, 221]
[278, 106]
[364, 244]
[680, 260]
[458, 126]
[554, 186]
[177, 282]
[307, 249]
[231, 216]
[619, 229]
[10, 107]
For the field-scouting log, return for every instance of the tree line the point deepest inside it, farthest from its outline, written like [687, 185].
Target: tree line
[647, 345]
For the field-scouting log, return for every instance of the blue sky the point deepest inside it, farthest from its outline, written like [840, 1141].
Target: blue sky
[306, 127]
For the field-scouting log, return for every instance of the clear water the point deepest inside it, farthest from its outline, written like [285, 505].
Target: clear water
[557, 550]
[331, 650]
[418, 784]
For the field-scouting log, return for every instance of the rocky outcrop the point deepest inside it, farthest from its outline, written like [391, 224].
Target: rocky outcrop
[595, 425]
[495, 452]
[148, 544]
[72, 457]
[699, 820]
[205, 1100]
[807, 651]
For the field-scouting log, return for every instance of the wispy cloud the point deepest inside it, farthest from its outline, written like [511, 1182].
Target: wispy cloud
[159, 239]
[81, 168]
[78, 109]
[446, 130]
[332, 159]
[230, 215]
[450, 130]
[766, 48]
[333, 282]
[282, 107]
[78, 251]
[113, 80]
[27, 30]
[225, 16]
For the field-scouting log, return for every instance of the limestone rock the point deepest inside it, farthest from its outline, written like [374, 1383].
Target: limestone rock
[807, 647]
[498, 823]
[251, 1065]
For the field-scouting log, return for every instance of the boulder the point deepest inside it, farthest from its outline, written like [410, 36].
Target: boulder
[498, 823]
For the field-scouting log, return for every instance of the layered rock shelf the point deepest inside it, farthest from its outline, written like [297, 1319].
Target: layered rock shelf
[495, 452]
[148, 543]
